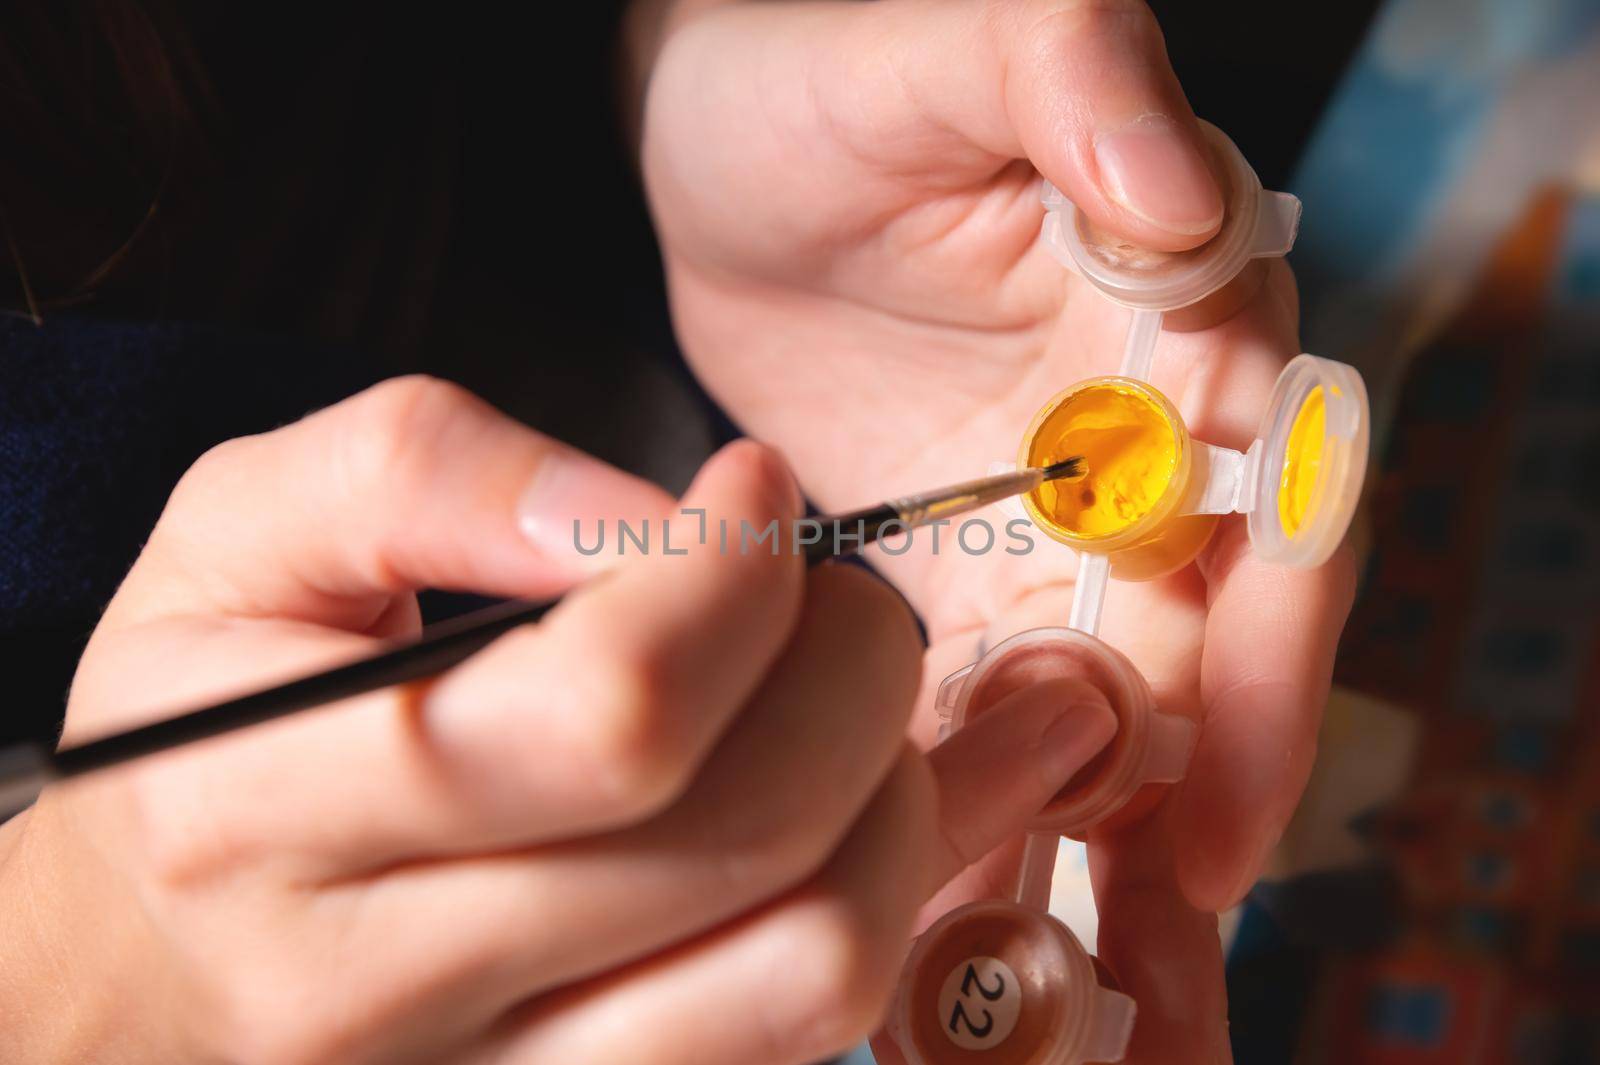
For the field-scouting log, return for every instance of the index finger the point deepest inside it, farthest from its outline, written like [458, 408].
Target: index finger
[1265, 670]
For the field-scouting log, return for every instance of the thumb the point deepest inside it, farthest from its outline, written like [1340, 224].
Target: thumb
[1083, 90]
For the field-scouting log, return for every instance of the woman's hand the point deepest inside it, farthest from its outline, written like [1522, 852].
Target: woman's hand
[676, 821]
[848, 199]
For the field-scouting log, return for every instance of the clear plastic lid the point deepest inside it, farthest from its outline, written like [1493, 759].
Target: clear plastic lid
[1001, 983]
[1256, 223]
[1313, 460]
[1150, 747]
[1301, 480]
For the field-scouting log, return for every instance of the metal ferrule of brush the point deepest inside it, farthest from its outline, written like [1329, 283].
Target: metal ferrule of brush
[961, 498]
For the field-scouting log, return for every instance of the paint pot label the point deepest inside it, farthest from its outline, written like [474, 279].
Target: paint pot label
[979, 1003]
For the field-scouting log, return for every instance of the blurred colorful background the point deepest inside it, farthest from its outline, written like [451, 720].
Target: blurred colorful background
[1437, 898]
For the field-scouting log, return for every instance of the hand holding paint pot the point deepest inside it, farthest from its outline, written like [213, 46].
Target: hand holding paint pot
[1146, 507]
[866, 256]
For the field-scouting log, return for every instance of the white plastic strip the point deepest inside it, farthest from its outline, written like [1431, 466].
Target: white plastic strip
[1038, 870]
[1221, 481]
[1143, 329]
[1089, 594]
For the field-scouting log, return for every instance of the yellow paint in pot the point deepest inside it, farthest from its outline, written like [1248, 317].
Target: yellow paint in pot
[1130, 451]
[1302, 462]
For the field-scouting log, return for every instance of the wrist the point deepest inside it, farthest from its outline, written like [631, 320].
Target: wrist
[65, 994]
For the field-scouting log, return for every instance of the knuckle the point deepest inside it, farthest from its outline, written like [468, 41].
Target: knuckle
[269, 1002]
[181, 852]
[264, 1039]
[633, 752]
[1069, 27]
[218, 469]
[218, 461]
[261, 1013]
[267, 1034]
[388, 432]
[412, 392]
[174, 860]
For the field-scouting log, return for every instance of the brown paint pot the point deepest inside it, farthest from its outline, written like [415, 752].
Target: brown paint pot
[996, 983]
[1149, 748]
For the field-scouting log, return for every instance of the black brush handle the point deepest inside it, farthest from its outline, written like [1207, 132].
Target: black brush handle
[443, 645]
[845, 534]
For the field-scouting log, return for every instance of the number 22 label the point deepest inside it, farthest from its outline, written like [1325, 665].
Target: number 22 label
[979, 1003]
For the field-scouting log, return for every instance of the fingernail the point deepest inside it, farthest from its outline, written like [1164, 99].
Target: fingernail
[1080, 732]
[561, 511]
[1151, 169]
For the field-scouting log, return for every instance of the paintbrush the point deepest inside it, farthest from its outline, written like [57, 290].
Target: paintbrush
[26, 769]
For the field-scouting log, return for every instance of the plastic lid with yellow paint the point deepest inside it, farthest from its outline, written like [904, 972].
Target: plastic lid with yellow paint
[1302, 477]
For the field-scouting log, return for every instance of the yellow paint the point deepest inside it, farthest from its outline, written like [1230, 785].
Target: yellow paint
[1130, 451]
[1302, 462]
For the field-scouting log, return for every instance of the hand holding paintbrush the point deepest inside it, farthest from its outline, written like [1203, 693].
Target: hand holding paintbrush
[656, 766]
[25, 770]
